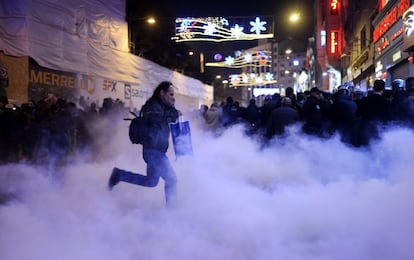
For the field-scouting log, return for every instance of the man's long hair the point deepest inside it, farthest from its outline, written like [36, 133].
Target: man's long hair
[156, 94]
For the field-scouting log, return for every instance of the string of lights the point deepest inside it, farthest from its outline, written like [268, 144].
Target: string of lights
[256, 63]
[252, 79]
[220, 29]
[245, 59]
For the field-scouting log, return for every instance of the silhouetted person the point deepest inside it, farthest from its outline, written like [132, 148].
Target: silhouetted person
[312, 113]
[374, 110]
[409, 87]
[289, 92]
[231, 113]
[400, 104]
[281, 117]
[344, 114]
[269, 105]
[252, 115]
[374, 107]
[11, 133]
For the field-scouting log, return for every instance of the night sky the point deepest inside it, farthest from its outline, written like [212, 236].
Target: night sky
[280, 9]
[159, 37]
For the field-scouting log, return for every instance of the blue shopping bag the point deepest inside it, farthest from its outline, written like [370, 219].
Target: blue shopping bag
[181, 137]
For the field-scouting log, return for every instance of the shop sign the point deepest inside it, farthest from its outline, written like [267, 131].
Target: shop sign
[408, 26]
[396, 56]
[390, 19]
[392, 37]
[334, 7]
[334, 42]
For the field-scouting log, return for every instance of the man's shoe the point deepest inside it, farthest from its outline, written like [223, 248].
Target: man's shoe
[114, 179]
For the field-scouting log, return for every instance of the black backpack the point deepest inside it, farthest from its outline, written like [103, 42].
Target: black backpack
[138, 128]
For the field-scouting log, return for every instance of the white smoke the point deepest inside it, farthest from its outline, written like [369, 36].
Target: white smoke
[296, 198]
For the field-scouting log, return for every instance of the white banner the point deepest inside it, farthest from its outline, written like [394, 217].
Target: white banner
[88, 38]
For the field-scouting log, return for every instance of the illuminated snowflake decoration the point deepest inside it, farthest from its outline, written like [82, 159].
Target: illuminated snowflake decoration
[269, 76]
[236, 31]
[220, 29]
[185, 24]
[248, 57]
[224, 22]
[238, 53]
[259, 80]
[210, 28]
[234, 78]
[258, 26]
[229, 60]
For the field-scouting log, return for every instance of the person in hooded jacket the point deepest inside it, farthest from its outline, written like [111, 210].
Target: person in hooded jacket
[158, 112]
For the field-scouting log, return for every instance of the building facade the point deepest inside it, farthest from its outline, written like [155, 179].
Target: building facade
[329, 43]
[392, 59]
[375, 44]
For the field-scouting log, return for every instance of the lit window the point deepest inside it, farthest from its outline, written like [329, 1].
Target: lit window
[323, 38]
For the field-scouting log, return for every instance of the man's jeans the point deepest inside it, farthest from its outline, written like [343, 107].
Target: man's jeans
[158, 165]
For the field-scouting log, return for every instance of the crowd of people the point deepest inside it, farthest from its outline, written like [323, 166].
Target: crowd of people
[52, 129]
[355, 115]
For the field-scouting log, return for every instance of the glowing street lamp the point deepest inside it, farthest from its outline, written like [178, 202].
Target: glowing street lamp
[134, 23]
[294, 17]
[151, 20]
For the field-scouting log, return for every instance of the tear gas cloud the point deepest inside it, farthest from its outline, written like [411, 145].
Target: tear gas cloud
[296, 198]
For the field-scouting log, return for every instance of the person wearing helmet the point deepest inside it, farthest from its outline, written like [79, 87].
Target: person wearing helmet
[343, 112]
[398, 85]
[400, 103]
[409, 86]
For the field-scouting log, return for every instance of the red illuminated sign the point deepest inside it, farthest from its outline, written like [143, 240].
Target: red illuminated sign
[334, 6]
[334, 42]
[390, 19]
[381, 4]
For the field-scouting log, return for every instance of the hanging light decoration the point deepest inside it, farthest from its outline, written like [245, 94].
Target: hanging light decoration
[220, 29]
